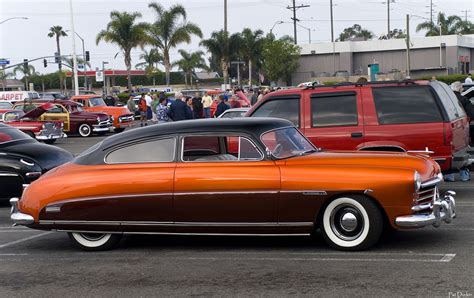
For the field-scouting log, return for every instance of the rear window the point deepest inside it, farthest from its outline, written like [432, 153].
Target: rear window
[403, 105]
[334, 109]
[281, 107]
[449, 100]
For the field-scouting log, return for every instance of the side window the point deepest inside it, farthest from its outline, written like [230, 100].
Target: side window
[334, 109]
[449, 99]
[412, 104]
[286, 108]
[161, 150]
[219, 148]
[56, 110]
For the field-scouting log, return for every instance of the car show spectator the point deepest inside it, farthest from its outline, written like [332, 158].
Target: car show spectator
[154, 104]
[254, 98]
[142, 106]
[149, 114]
[132, 107]
[162, 111]
[221, 107]
[197, 105]
[468, 80]
[179, 110]
[206, 103]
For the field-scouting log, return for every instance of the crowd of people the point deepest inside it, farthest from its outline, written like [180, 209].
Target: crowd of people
[161, 109]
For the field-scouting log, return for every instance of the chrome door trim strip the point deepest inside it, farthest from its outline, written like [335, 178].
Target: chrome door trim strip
[307, 192]
[187, 234]
[226, 193]
[9, 175]
[178, 224]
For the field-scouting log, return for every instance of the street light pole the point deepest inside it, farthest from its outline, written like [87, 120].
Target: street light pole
[14, 18]
[74, 57]
[332, 38]
[83, 58]
[276, 23]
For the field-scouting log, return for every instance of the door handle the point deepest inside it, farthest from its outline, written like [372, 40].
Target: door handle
[356, 135]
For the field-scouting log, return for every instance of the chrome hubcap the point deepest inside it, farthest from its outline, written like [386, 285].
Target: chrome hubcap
[347, 222]
[92, 237]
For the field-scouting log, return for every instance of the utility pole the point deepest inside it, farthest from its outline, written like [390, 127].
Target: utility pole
[225, 16]
[294, 8]
[408, 46]
[388, 19]
[465, 14]
[226, 82]
[238, 70]
[74, 57]
[332, 38]
[431, 11]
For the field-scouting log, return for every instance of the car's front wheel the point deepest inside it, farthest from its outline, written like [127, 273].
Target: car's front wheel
[95, 241]
[85, 130]
[351, 223]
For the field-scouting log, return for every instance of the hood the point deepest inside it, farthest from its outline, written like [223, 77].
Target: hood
[47, 156]
[424, 165]
[116, 111]
[102, 116]
[38, 111]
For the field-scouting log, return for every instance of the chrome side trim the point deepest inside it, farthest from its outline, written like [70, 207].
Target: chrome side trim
[431, 182]
[226, 193]
[186, 234]
[27, 163]
[178, 224]
[9, 175]
[315, 193]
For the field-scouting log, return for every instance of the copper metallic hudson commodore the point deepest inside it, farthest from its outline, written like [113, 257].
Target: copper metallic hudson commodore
[232, 176]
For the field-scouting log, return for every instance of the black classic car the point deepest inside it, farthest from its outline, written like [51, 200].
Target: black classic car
[23, 160]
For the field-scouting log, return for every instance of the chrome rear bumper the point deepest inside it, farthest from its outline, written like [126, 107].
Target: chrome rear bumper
[17, 217]
[441, 210]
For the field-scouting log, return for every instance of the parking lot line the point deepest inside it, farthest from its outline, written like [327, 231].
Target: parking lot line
[23, 240]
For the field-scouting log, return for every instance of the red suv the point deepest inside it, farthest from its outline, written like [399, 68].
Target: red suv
[382, 116]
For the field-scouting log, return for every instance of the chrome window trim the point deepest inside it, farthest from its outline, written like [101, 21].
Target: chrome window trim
[262, 156]
[140, 142]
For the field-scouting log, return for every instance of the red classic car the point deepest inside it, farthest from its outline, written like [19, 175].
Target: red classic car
[74, 118]
[47, 131]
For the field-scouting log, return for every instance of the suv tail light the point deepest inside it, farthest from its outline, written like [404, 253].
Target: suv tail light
[448, 135]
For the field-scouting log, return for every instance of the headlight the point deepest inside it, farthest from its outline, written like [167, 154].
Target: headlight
[43, 126]
[440, 176]
[417, 179]
[98, 119]
[111, 118]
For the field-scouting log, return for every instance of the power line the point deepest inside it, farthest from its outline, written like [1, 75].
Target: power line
[294, 8]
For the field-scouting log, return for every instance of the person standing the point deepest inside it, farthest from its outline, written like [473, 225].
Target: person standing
[189, 105]
[162, 111]
[197, 105]
[148, 100]
[179, 109]
[221, 107]
[206, 104]
[154, 105]
[132, 107]
[142, 106]
[468, 80]
[254, 98]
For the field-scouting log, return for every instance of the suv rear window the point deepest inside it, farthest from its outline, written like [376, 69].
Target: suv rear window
[334, 109]
[449, 100]
[281, 107]
[401, 105]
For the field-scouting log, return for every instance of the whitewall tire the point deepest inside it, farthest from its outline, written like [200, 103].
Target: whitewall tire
[95, 241]
[85, 130]
[351, 223]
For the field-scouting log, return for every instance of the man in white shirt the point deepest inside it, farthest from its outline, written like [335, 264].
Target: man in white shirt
[206, 103]
[468, 80]
[149, 114]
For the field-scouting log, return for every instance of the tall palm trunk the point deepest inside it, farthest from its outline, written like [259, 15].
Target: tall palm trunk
[225, 70]
[186, 79]
[250, 73]
[167, 63]
[59, 64]
[128, 64]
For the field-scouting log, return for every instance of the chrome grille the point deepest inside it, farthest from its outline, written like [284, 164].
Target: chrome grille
[427, 194]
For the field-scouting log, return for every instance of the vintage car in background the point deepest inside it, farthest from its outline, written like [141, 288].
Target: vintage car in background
[5, 106]
[23, 160]
[234, 113]
[46, 131]
[395, 116]
[121, 117]
[52, 96]
[75, 119]
[181, 177]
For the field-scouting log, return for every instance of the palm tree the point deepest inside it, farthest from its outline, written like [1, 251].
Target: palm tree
[57, 31]
[252, 47]
[4, 76]
[223, 48]
[26, 70]
[189, 62]
[449, 25]
[151, 60]
[123, 31]
[166, 32]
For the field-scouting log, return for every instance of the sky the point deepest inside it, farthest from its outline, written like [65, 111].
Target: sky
[27, 39]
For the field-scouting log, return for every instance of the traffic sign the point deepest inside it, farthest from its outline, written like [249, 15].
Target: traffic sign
[4, 62]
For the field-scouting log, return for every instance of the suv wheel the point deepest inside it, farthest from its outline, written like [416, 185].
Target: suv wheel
[351, 223]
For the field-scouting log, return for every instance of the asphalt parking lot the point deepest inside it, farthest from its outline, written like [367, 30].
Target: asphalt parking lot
[427, 262]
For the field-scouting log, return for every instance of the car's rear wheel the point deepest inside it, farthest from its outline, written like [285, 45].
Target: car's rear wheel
[351, 223]
[95, 241]
[85, 130]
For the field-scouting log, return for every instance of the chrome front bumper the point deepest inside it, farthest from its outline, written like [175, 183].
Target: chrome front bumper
[17, 217]
[51, 137]
[442, 209]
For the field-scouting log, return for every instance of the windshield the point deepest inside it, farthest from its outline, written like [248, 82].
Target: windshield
[11, 134]
[97, 102]
[12, 116]
[287, 142]
[5, 105]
